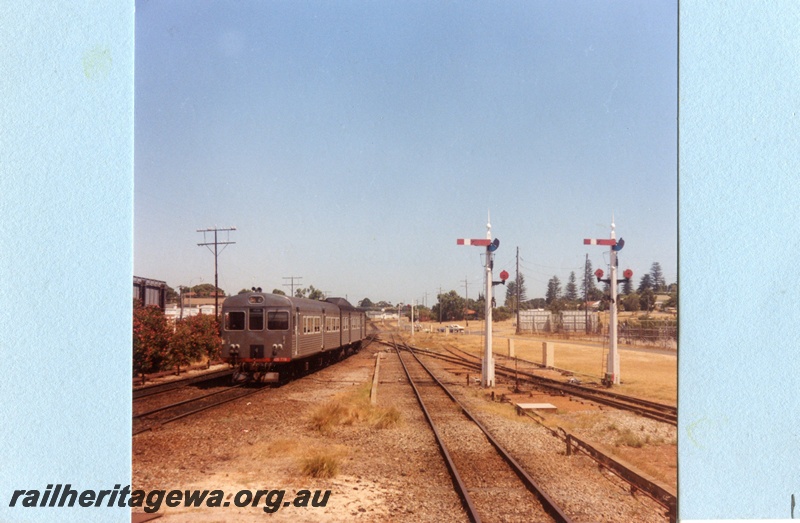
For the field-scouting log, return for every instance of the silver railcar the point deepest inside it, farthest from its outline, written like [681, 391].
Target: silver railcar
[269, 337]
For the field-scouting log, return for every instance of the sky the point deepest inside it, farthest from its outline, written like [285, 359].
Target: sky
[352, 143]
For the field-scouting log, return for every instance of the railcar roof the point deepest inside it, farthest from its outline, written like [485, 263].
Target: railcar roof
[277, 300]
[341, 303]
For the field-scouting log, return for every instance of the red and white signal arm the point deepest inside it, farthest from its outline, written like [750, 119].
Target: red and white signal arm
[482, 242]
[602, 241]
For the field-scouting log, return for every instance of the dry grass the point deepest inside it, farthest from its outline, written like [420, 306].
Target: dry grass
[352, 408]
[644, 374]
[321, 465]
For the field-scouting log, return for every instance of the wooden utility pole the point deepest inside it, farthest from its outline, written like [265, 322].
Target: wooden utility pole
[291, 284]
[518, 291]
[216, 244]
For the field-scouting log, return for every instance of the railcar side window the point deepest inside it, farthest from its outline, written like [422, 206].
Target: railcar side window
[278, 321]
[234, 321]
[256, 319]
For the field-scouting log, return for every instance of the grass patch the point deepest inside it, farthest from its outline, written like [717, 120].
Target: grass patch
[321, 465]
[385, 418]
[353, 408]
[629, 439]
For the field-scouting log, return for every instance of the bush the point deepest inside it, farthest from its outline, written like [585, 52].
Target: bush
[502, 314]
[195, 337]
[151, 339]
[156, 347]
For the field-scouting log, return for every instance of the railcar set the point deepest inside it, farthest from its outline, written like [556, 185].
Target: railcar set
[272, 338]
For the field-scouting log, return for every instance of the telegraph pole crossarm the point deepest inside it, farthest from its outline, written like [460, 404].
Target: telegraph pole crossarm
[216, 244]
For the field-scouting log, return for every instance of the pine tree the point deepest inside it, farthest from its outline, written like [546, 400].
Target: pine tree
[588, 286]
[553, 290]
[511, 292]
[646, 283]
[627, 287]
[572, 288]
[657, 277]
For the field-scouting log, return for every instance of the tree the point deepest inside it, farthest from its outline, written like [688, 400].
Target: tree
[646, 283]
[627, 287]
[278, 292]
[657, 277]
[631, 302]
[366, 302]
[536, 303]
[206, 290]
[151, 338]
[451, 305]
[422, 313]
[647, 299]
[553, 290]
[588, 285]
[572, 288]
[195, 337]
[310, 293]
[511, 292]
[171, 295]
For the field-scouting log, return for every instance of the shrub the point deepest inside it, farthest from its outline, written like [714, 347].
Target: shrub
[195, 337]
[151, 339]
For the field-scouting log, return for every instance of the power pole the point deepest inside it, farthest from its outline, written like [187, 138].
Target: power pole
[518, 291]
[439, 299]
[216, 244]
[466, 300]
[291, 285]
[586, 293]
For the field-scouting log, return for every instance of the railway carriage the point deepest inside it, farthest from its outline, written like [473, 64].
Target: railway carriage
[269, 337]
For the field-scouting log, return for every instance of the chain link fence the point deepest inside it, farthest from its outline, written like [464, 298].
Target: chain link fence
[648, 332]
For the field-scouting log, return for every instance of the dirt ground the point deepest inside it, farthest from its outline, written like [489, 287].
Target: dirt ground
[390, 474]
[645, 373]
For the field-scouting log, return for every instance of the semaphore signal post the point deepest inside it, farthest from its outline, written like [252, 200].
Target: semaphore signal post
[612, 366]
[487, 367]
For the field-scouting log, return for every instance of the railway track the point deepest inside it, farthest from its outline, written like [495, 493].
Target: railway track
[156, 417]
[153, 416]
[646, 408]
[658, 492]
[152, 390]
[483, 472]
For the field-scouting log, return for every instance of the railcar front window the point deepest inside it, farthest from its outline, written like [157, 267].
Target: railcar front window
[234, 321]
[278, 321]
[256, 319]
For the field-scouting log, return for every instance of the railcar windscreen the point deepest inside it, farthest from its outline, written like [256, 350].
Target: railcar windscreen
[278, 321]
[234, 321]
[256, 319]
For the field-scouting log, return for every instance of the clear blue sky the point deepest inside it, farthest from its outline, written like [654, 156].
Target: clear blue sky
[352, 143]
